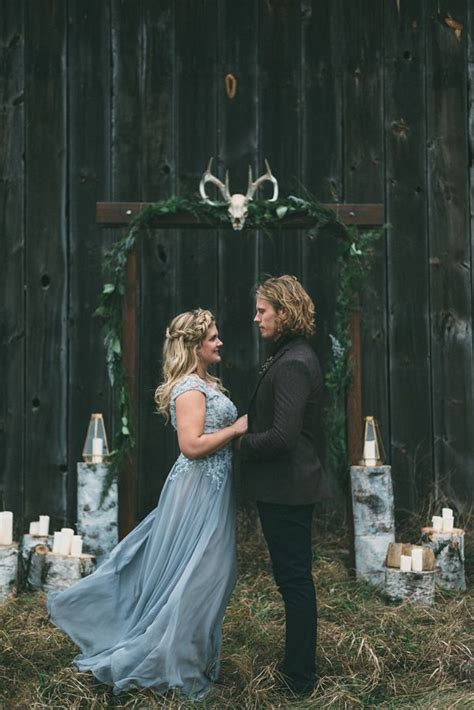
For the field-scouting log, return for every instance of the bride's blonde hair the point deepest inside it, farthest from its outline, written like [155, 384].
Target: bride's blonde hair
[184, 335]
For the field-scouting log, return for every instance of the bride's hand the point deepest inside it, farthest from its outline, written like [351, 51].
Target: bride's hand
[240, 425]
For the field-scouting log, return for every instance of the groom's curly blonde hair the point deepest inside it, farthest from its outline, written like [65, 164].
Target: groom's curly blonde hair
[293, 305]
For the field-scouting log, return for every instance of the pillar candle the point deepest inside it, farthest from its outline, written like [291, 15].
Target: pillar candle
[448, 524]
[97, 449]
[57, 543]
[437, 522]
[76, 546]
[44, 525]
[405, 563]
[447, 513]
[66, 539]
[34, 527]
[6, 527]
[369, 453]
[417, 559]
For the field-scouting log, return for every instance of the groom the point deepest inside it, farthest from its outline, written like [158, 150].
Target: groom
[280, 466]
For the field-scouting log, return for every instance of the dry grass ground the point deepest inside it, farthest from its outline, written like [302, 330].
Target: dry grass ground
[370, 654]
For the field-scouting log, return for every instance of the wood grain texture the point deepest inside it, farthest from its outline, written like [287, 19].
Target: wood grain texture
[46, 276]
[88, 180]
[407, 252]
[12, 315]
[449, 252]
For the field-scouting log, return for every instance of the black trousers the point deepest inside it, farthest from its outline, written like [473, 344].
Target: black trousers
[287, 530]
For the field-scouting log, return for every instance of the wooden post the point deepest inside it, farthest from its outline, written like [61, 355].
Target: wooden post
[127, 478]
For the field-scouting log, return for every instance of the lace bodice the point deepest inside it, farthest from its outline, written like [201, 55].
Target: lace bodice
[220, 412]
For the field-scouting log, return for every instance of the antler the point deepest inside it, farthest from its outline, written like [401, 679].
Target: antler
[253, 186]
[209, 177]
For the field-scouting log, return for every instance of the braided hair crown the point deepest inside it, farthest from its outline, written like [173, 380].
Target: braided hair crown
[190, 327]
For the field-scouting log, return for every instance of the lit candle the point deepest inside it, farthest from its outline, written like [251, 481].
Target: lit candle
[44, 525]
[370, 455]
[76, 546]
[447, 513]
[66, 539]
[405, 563]
[57, 543]
[437, 522]
[417, 559]
[97, 449]
[448, 524]
[6, 527]
[34, 527]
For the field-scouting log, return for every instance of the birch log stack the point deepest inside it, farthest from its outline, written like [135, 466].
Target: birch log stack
[448, 549]
[374, 524]
[8, 569]
[31, 560]
[97, 524]
[61, 571]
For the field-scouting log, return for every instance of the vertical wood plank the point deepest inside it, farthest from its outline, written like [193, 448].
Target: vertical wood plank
[196, 55]
[127, 181]
[364, 182]
[237, 122]
[451, 308]
[46, 260]
[322, 167]
[280, 121]
[407, 250]
[12, 324]
[89, 180]
[159, 253]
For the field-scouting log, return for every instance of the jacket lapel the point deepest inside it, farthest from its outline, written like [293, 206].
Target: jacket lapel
[272, 361]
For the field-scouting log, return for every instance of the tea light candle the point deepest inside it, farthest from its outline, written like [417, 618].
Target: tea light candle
[6, 527]
[44, 525]
[76, 546]
[417, 559]
[437, 522]
[34, 527]
[57, 543]
[97, 449]
[405, 563]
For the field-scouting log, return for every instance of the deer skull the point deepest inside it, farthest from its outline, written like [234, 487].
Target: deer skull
[238, 203]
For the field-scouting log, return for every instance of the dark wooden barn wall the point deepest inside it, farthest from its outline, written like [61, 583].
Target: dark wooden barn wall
[360, 101]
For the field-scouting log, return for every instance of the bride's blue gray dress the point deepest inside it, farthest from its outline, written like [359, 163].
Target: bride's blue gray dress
[151, 615]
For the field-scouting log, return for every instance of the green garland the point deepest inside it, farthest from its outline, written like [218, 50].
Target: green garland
[355, 252]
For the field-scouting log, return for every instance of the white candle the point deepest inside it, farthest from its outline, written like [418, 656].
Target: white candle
[370, 455]
[417, 559]
[66, 539]
[57, 543]
[437, 522]
[448, 524]
[34, 527]
[76, 546]
[44, 525]
[447, 513]
[97, 449]
[6, 527]
[405, 563]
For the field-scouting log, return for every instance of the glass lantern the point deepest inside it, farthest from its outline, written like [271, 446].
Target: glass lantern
[96, 449]
[373, 453]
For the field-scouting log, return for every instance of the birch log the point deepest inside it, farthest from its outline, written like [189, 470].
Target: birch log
[8, 569]
[97, 525]
[448, 549]
[374, 524]
[29, 571]
[416, 587]
[61, 572]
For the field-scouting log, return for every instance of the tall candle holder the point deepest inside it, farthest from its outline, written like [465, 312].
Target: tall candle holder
[96, 449]
[373, 452]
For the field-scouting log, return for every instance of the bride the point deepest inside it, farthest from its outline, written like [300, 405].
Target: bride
[151, 615]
